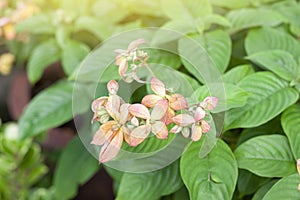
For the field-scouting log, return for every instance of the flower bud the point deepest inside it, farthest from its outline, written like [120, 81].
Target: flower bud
[112, 87]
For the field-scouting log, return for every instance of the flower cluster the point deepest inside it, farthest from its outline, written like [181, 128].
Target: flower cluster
[134, 122]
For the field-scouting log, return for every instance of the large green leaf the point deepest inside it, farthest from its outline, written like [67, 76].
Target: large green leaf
[75, 166]
[229, 95]
[267, 156]
[216, 44]
[291, 125]
[151, 185]
[269, 96]
[286, 189]
[236, 74]
[265, 39]
[163, 58]
[290, 10]
[73, 53]
[212, 177]
[42, 56]
[50, 108]
[280, 62]
[248, 17]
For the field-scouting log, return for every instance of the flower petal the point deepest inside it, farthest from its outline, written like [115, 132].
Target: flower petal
[139, 110]
[196, 133]
[103, 133]
[158, 87]
[168, 116]
[113, 106]
[183, 120]
[98, 103]
[209, 103]
[111, 147]
[135, 44]
[123, 67]
[178, 102]
[160, 130]
[138, 135]
[199, 114]
[100, 137]
[150, 100]
[298, 166]
[124, 113]
[112, 87]
[185, 132]
[176, 129]
[205, 126]
[159, 109]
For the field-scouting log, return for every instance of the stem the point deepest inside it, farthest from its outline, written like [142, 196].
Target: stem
[149, 69]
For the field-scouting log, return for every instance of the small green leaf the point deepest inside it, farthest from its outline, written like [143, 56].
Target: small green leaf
[286, 189]
[151, 185]
[50, 108]
[267, 156]
[265, 39]
[42, 56]
[280, 62]
[290, 121]
[236, 74]
[248, 17]
[75, 166]
[269, 96]
[212, 177]
[73, 54]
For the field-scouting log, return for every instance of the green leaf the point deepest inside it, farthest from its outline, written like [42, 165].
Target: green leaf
[163, 58]
[238, 73]
[232, 4]
[212, 177]
[75, 166]
[290, 10]
[248, 182]
[286, 188]
[73, 54]
[271, 127]
[42, 56]
[229, 95]
[267, 156]
[151, 185]
[173, 30]
[36, 24]
[186, 10]
[280, 62]
[261, 192]
[290, 121]
[216, 44]
[50, 108]
[248, 17]
[269, 96]
[87, 23]
[265, 39]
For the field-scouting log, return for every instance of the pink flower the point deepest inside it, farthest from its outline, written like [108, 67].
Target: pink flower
[152, 122]
[197, 123]
[175, 101]
[209, 103]
[130, 54]
[111, 133]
